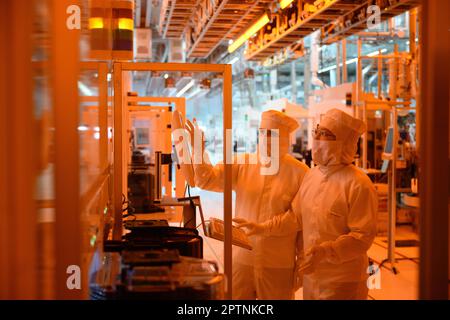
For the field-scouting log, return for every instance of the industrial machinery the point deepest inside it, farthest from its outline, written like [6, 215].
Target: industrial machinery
[157, 275]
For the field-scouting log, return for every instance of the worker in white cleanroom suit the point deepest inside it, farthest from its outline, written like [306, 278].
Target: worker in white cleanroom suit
[336, 210]
[267, 271]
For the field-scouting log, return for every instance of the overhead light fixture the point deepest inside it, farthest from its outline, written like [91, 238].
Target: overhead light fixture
[249, 73]
[84, 89]
[234, 60]
[285, 3]
[196, 92]
[354, 60]
[375, 53]
[205, 84]
[169, 82]
[185, 89]
[249, 32]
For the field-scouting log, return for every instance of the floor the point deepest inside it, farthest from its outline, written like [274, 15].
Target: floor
[385, 285]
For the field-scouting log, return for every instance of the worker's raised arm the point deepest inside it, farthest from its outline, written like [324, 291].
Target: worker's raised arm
[211, 178]
[207, 176]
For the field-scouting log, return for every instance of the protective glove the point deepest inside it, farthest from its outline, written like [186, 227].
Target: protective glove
[253, 228]
[313, 257]
[193, 129]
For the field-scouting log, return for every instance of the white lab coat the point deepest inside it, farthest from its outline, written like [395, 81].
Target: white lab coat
[260, 198]
[338, 205]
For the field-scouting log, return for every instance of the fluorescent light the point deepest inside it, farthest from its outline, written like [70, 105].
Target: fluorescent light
[285, 3]
[327, 69]
[375, 53]
[250, 32]
[234, 60]
[354, 60]
[84, 89]
[197, 91]
[185, 89]
[334, 66]
[169, 92]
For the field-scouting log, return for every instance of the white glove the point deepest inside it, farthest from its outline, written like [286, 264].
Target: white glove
[253, 228]
[193, 129]
[313, 257]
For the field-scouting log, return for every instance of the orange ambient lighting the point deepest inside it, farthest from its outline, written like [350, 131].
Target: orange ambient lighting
[95, 23]
[250, 31]
[285, 3]
[126, 24]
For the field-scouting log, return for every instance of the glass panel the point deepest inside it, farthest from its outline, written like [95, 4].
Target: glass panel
[44, 189]
[88, 128]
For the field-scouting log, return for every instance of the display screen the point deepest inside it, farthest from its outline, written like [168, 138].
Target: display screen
[389, 141]
[142, 136]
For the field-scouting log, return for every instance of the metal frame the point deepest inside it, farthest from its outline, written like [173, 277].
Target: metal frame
[361, 112]
[96, 196]
[302, 28]
[22, 231]
[208, 22]
[180, 105]
[18, 227]
[225, 71]
[388, 12]
[68, 229]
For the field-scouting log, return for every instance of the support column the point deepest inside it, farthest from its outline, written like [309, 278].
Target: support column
[434, 150]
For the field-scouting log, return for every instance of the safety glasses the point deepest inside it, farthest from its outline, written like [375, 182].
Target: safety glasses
[319, 132]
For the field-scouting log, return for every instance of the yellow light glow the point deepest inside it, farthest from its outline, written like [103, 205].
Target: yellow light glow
[95, 23]
[250, 31]
[125, 24]
[285, 3]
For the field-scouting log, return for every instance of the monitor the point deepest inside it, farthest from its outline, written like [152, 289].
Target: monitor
[385, 166]
[389, 144]
[142, 136]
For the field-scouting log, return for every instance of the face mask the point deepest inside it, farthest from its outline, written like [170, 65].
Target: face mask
[326, 153]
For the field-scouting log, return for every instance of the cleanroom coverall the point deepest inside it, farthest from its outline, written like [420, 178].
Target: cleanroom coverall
[336, 209]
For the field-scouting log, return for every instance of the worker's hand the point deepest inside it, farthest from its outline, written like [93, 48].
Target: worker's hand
[253, 228]
[312, 258]
[194, 129]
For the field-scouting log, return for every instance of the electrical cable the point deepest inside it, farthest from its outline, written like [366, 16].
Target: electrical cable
[131, 210]
[191, 203]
